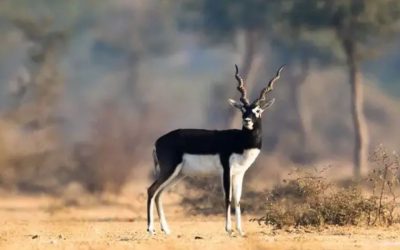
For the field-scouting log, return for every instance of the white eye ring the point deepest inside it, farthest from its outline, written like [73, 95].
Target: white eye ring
[257, 111]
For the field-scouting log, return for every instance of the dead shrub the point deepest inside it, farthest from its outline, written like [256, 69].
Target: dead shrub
[384, 179]
[308, 199]
[208, 197]
[204, 195]
[104, 163]
[346, 207]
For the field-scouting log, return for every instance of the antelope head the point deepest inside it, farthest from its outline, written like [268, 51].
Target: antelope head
[251, 112]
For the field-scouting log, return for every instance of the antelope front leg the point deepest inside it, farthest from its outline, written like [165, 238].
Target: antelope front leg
[237, 193]
[228, 197]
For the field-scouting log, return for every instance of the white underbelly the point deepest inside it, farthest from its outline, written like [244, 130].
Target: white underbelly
[197, 165]
[201, 164]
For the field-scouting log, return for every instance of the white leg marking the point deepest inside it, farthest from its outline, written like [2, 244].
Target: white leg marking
[237, 193]
[228, 224]
[239, 163]
[161, 215]
[177, 170]
[150, 227]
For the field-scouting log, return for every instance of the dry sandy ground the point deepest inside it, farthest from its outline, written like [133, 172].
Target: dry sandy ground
[46, 223]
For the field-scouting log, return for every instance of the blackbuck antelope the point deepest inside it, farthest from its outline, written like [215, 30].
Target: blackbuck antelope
[194, 152]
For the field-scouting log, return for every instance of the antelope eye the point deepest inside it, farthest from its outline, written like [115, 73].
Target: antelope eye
[256, 111]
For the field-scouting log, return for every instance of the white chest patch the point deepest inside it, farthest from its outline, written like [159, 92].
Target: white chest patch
[201, 164]
[241, 162]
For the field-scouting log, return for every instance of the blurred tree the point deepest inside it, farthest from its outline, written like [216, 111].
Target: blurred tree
[129, 30]
[358, 25]
[46, 85]
[254, 24]
[46, 25]
[298, 50]
[245, 23]
[137, 31]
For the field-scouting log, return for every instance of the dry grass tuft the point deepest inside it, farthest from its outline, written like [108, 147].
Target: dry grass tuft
[204, 195]
[308, 199]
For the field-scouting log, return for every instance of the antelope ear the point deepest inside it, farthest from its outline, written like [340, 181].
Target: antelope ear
[268, 104]
[236, 104]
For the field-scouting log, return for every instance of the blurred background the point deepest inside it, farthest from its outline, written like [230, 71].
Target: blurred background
[87, 86]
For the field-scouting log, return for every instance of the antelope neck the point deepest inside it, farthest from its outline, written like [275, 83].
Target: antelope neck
[254, 136]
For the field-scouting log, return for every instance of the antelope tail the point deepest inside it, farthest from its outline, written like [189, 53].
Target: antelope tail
[156, 164]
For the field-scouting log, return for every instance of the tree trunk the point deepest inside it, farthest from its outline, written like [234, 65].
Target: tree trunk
[357, 101]
[297, 122]
[130, 90]
[297, 81]
[248, 70]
